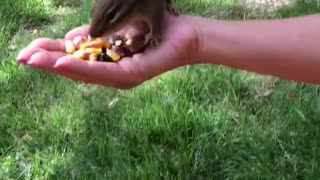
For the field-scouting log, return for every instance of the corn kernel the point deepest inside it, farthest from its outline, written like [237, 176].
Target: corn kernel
[96, 51]
[70, 47]
[83, 46]
[114, 56]
[81, 54]
[98, 44]
[93, 57]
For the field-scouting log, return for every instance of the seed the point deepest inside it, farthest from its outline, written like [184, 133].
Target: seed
[81, 54]
[114, 56]
[93, 57]
[98, 43]
[70, 47]
[83, 46]
[96, 51]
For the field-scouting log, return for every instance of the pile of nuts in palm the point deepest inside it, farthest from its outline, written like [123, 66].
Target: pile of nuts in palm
[111, 49]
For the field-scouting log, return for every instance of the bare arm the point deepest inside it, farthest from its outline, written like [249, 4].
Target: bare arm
[287, 48]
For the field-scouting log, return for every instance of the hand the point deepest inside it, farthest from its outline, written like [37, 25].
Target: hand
[177, 49]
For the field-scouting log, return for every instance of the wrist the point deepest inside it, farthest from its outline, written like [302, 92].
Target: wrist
[213, 40]
[191, 39]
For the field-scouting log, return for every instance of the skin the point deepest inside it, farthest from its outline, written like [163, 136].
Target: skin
[286, 48]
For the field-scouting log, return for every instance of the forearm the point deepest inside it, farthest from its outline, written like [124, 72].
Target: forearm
[288, 48]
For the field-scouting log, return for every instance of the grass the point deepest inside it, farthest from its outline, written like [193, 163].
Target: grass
[195, 122]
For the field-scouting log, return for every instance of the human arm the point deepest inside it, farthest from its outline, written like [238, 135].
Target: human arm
[286, 48]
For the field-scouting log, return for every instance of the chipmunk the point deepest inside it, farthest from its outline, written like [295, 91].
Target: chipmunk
[110, 16]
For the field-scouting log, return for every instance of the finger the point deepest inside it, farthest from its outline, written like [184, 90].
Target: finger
[25, 54]
[40, 45]
[44, 59]
[48, 44]
[79, 31]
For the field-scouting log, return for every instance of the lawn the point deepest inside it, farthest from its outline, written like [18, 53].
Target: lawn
[196, 122]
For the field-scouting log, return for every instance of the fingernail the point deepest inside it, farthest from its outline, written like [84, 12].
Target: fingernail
[22, 61]
[21, 54]
[62, 69]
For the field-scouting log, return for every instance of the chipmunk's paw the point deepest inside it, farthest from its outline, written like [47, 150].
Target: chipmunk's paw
[173, 10]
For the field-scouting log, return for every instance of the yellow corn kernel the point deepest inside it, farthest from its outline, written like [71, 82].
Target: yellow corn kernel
[96, 51]
[114, 56]
[93, 57]
[81, 54]
[98, 44]
[70, 47]
[83, 46]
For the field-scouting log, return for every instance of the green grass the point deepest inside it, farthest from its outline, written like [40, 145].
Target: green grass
[195, 122]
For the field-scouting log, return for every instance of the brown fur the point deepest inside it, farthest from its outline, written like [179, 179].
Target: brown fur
[110, 16]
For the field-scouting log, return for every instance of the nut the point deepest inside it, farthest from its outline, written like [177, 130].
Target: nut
[98, 49]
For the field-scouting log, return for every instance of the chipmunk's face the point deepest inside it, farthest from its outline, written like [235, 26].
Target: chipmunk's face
[109, 16]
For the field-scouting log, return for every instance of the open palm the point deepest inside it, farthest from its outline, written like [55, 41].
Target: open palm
[178, 45]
